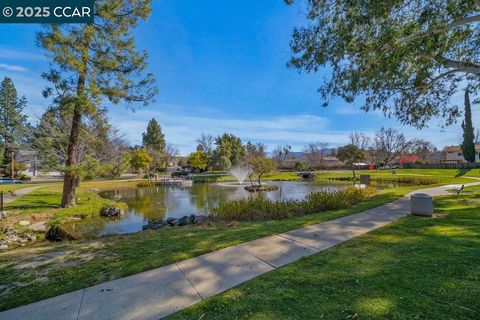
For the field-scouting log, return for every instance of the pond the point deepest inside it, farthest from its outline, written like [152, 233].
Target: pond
[160, 202]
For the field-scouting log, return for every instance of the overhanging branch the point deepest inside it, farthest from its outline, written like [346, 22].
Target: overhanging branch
[456, 23]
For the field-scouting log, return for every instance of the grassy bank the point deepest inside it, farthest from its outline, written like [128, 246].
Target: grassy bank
[415, 268]
[44, 203]
[61, 268]
[49, 269]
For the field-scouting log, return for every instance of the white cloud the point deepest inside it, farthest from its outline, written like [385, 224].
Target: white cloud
[348, 110]
[12, 67]
[17, 54]
[183, 129]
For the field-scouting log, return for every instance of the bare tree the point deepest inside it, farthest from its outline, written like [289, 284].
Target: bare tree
[253, 150]
[422, 149]
[389, 144]
[206, 143]
[171, 152]
[360, 140]
[314, 153]
[281, 154]
[477, 137]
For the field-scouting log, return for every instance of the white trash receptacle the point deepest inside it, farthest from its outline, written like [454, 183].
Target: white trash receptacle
[421, 204]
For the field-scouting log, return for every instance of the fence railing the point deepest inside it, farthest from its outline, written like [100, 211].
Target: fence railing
[447, 166]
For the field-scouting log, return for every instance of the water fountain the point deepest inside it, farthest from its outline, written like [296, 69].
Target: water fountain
[240, 173]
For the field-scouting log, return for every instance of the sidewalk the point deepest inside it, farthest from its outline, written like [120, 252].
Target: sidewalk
[20, 193]
[157, 293]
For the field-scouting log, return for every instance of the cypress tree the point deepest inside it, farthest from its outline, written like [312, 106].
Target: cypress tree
[468, 145]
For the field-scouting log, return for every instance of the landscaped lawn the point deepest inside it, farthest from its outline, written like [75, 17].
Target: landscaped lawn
[48, 269]
[415, 268]
[61, 268]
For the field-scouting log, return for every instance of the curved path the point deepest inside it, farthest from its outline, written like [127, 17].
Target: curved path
[157, 293]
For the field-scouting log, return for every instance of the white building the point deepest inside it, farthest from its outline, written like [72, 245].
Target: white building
[453, 154]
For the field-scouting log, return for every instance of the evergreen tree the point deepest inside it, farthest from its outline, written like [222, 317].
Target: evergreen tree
[13, 123]
[95, 61]
[468, 145]
[154, 139]
[229, 147]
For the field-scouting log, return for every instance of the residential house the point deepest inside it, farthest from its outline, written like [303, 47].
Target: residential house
[453, 154]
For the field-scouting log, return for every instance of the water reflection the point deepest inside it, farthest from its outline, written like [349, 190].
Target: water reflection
[152, 203]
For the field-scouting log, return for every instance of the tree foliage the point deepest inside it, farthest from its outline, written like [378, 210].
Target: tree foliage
[260, 165]
[14, 127]
[97, 138]
[140, 160]
[197, 160]
[229, 147]
[90, 62]
[206, 143]
[351, 154]
[404, 57]
[154, 139]
[468, 144]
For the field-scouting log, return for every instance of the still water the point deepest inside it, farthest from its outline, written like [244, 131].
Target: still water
[160, 202]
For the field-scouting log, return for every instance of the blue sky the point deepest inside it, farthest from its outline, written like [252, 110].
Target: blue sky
[220, 66]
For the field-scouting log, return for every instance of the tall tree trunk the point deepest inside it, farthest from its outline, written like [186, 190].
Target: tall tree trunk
[70, 178]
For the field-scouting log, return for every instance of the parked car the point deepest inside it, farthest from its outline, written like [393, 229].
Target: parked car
[389, 167]
[5, 180]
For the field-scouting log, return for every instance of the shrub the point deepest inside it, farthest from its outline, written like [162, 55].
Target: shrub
[255, 209]
[423, 181]
[146, 184]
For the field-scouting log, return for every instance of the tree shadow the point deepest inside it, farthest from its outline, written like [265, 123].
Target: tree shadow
[415, 267]
[462, 172]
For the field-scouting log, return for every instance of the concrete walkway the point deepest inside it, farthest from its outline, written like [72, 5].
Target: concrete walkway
[19, 193]
[157, 293]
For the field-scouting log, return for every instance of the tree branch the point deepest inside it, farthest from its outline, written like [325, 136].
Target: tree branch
[464, 66]
[459, 66]
[446, 27]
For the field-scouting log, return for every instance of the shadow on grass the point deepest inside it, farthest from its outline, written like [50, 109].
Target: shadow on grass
[129, 254]
[415, 268]
[36, 201]
[462, 172]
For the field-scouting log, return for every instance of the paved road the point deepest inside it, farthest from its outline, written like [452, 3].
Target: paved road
[157, 293]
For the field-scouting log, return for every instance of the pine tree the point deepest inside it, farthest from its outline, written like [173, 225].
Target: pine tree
[468, 145]
[154, 139]
[95, 61]
[13, 123]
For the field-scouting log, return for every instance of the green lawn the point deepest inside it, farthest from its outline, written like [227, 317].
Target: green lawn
[13, 187]
[60, 268]
[88, 263]
[415, 268]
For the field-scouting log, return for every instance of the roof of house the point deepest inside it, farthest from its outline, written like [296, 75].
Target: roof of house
[458, 148]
